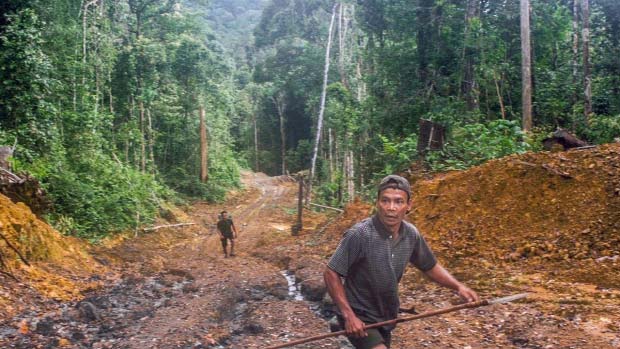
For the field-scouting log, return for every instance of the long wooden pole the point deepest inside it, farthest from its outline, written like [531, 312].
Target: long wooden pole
[385, 323]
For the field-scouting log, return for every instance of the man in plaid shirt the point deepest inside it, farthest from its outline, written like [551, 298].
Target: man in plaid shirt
[372, 257]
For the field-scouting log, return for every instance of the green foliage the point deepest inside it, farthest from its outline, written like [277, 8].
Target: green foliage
[397, 156]
[603, 129]
[329, 193]
[25, 75]
[299, 158]
[473, 144]
[94, 195]
[106, 113]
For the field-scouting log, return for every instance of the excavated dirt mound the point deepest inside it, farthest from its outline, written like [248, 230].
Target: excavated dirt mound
[39, 264]
[551, 210]
[543, 223]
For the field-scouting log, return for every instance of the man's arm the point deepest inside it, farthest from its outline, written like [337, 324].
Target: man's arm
[234, 229]
[353, 325]
[441, 276]
[219, 231]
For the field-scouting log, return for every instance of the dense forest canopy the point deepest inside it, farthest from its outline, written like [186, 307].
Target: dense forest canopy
[118, 106]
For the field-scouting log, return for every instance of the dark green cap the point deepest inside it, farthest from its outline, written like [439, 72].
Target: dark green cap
[395, 182]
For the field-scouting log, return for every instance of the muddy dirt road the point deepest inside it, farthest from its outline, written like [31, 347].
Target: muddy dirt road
[176, 290]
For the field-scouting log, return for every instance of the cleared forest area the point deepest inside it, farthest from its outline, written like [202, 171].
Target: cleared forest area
[128, 126]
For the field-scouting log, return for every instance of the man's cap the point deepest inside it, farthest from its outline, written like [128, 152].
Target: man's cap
[395, 182]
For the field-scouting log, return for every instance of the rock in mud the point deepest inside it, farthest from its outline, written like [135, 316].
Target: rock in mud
[45, 326]
[89, 311]
[313, 289]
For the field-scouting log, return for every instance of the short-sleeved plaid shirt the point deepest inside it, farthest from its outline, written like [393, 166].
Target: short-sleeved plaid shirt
[372, 264]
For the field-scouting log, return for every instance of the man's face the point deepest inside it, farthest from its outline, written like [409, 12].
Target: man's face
[224, 215]
[392, 206]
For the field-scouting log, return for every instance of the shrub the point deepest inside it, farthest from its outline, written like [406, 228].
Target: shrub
[473, 144]
[603, 129]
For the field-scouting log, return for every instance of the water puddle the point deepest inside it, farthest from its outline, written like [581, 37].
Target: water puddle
[294, 289]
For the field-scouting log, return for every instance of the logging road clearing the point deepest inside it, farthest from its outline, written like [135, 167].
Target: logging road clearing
[236, 302]
[176, 290]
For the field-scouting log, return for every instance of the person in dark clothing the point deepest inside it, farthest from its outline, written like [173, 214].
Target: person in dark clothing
[372, 257]
[226, 229]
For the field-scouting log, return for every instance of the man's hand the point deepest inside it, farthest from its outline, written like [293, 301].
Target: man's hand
[354, 327]
[467, 294]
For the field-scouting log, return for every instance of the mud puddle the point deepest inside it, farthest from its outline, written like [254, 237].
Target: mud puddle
[99, 320]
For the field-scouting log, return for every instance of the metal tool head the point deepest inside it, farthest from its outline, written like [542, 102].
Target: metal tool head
[508, 299]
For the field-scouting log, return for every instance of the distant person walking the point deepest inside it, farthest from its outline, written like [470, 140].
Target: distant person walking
[227, 230]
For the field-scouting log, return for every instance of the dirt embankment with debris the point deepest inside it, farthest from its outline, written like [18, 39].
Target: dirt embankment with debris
[548, 208]
[38, 263]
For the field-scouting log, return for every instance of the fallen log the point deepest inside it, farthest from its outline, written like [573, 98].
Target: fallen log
[327, 207]
[564, 139]
[146, 230]
[556, 171]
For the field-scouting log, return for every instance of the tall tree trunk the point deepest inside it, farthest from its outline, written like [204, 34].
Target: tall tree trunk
[331, 154]
[424, 38]
[204, 170]
[575, 59]
[322, 107]
[151, 141]
[111, 100]
[499, 95]
[358, 77]
[468, 85]
[342, 35]
[350, 174]
[526, 66]
[255, 142]
[142, 137]
[278, 100]
[587, 78]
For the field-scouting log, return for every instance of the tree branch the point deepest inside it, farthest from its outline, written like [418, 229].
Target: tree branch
[15, 249]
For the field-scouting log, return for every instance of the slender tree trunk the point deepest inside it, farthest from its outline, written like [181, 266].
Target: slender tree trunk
[151, 141]
[575, 59]
[132, 109]
[142, 138]
[499, 95]
[361, 84]
[424, 39]
[111, 101]
[255, 143]
[281, 107]
[331, 154]
[350, 174]
[468, 85]
[204, 173]
[322, 107]
[587, 78]
[526, 66]
[342, 32]
[360, 171]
